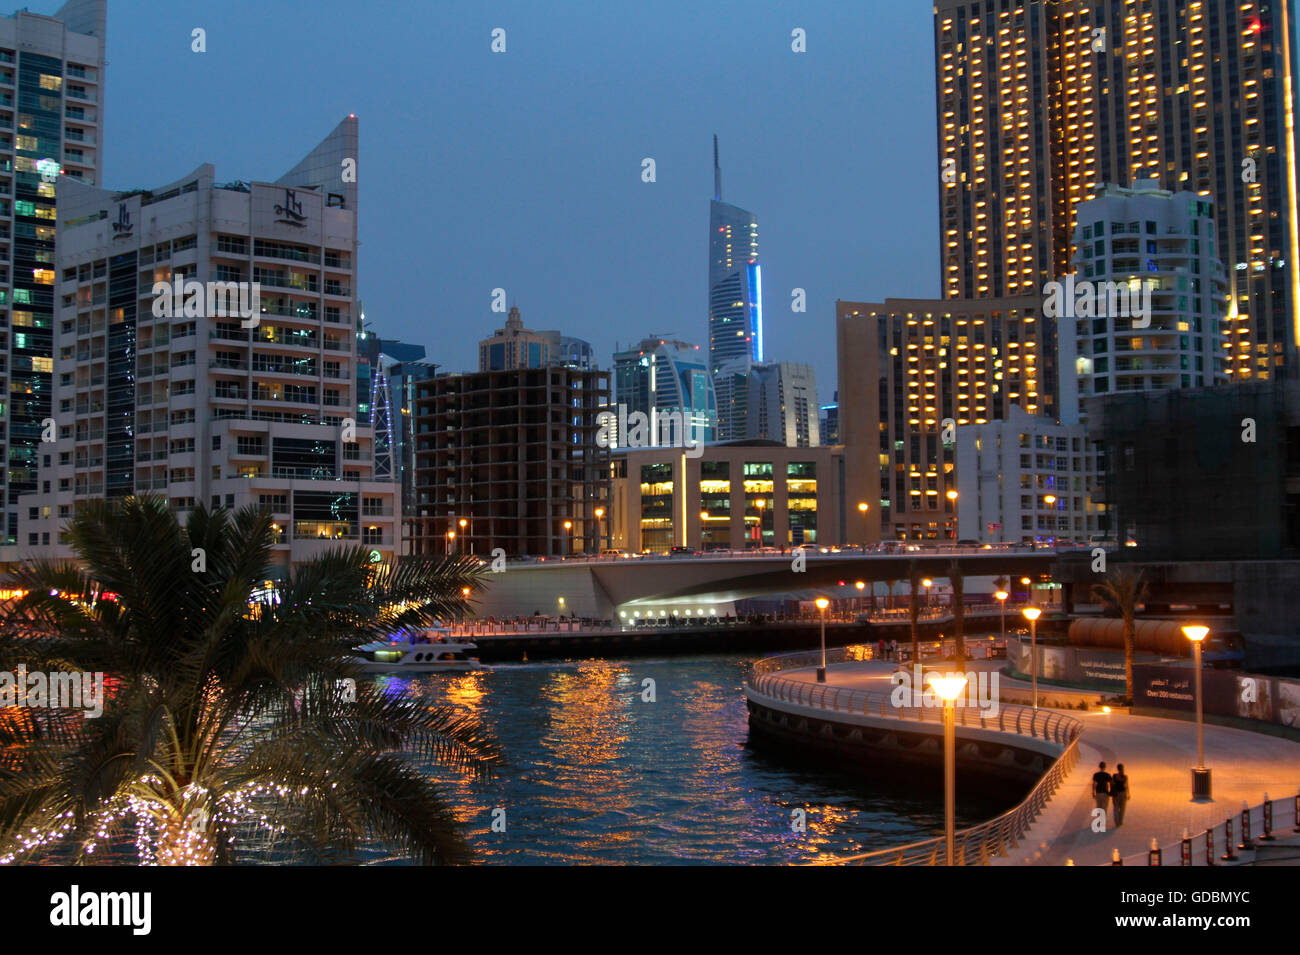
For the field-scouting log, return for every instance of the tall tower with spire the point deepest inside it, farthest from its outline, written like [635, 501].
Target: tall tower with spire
[735, 303]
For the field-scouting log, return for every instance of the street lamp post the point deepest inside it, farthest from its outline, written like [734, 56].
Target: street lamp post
[1002, 596]
[861, 585]
[862, 509]
[1200, 775]
[760, 504]
[949, 688]
[463, 524]
[927, 583]
[1050, 501]
[600, 518]
[952, 501]
[1032, 614]
[822, 604]
[568, 538]
[704, 516]
[451, 540]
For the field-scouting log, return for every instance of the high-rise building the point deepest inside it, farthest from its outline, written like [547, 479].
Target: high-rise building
[396, 367]
[782, 404]
[829, 420]
[1039, 102]
[514, 347]
[51, 127]
[1147, 294]
[206, 350]
[669, 377]
[735, 295]
[507, 458]
[911, 372]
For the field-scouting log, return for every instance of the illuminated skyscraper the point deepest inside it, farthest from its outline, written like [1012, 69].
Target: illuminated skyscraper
[912, 372]
[668, 377]
[51, 127]
[735, 296]
[1040, 102]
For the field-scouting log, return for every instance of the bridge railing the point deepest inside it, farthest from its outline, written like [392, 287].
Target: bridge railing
[976, 845]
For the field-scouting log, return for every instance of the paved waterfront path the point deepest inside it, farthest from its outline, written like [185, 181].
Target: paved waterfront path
[1157, 755]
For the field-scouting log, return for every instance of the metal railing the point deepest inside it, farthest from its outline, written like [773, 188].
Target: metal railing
[1243, 831]
[977, 844]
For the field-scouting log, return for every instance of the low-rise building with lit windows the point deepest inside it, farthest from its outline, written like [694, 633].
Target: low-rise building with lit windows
[731, 496]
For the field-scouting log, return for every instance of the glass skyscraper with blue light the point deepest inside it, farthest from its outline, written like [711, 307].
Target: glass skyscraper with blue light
[735, 297]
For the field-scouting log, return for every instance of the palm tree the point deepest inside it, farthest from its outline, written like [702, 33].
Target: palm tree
[914, 607]
[230, 722]
[1121, 592]
[958, 610]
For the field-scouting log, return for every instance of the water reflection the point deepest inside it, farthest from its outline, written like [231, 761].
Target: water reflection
[592, 773]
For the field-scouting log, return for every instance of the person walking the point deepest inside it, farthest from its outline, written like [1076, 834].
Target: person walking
[880, 649]
[893, 650]
[1101, 786]
[1119, 793]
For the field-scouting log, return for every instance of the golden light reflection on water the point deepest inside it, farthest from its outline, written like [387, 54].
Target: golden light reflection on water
[594, 773]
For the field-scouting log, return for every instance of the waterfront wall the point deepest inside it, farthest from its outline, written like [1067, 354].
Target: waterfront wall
[1232, 697]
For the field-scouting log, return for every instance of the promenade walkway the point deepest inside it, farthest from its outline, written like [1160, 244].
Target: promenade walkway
[1157, 755]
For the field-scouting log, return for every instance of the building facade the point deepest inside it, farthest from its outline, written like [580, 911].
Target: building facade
[1038, 101]
[735, 297]
[515, 346]
[781, 404]
[51, 128]
[206, 351]
[1156, 448]
[395, 368]
[738, 496]
[911, 372]
[1026, 479]
[506, 459]
[670, 377]
[1148, 277]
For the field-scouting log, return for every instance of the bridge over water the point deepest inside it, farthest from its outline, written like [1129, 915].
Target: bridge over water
[602, 587]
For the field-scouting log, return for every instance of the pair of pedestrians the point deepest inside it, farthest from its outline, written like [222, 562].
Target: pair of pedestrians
[1112, 788]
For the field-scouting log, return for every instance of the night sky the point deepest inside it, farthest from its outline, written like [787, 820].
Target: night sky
[523, 169]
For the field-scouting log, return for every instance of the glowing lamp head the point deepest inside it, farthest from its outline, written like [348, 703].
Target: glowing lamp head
[822, 603]
[862, 506]
[464, 591]
[948, 687]
[861, 585]
[1032, 613]
[1195, 632]
[927, 582]
[1025, 581]
[1002, 595]
[451, 535]
[952, 495]
[463, 523]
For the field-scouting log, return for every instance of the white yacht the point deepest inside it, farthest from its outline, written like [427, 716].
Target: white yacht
[433, 650]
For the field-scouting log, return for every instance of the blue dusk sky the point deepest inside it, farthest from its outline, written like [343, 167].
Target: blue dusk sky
[523, 169]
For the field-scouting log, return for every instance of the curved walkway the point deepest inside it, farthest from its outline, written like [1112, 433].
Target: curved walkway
[1157, 755]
